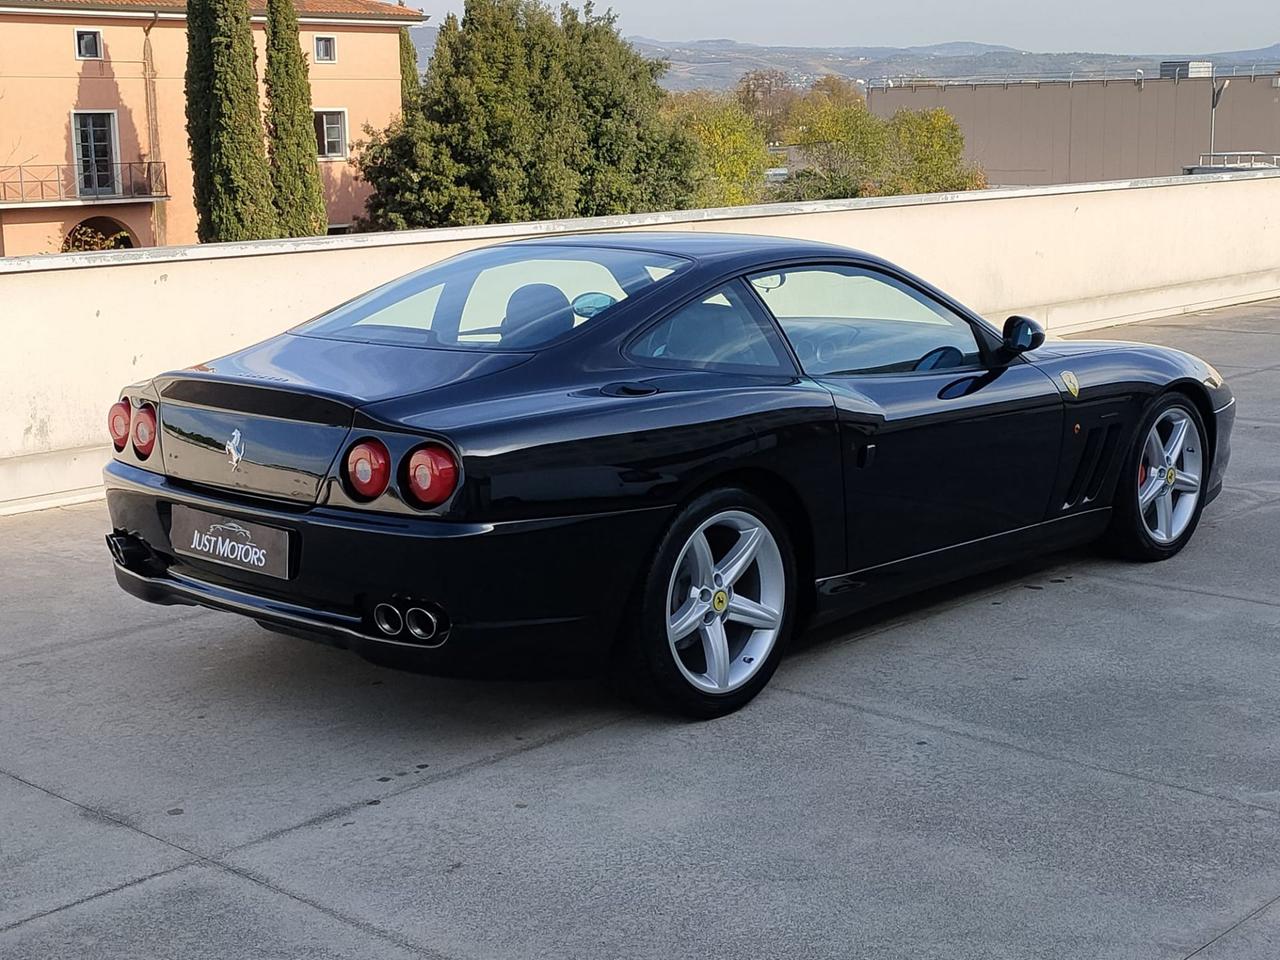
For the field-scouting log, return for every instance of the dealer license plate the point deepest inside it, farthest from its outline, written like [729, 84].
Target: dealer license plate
[234, 543]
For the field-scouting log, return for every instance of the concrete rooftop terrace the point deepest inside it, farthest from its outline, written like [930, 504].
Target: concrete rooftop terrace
[1076, 759]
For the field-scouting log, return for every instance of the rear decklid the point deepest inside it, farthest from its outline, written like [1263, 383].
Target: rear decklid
[271, 419]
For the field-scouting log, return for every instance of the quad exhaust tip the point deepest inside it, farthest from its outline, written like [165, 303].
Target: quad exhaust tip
[388, 619]
[424, 627]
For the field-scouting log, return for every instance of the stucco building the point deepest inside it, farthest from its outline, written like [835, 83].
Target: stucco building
[93, 114]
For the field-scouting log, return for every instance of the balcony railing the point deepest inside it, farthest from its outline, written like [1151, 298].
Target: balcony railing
[95, 181]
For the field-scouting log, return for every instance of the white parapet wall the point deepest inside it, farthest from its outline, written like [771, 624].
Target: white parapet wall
[77, 327]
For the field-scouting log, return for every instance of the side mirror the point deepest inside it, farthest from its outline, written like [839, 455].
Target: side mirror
[1021, 334]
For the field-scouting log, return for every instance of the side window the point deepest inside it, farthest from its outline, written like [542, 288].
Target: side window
[720, 331]
[847, 320]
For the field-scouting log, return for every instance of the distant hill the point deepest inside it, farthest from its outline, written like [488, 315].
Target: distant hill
[718, 63]
[424, 41]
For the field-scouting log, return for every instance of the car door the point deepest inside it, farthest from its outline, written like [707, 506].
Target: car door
[941, 444]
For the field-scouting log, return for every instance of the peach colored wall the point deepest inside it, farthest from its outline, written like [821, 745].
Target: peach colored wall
[42, 229]
[41, 82]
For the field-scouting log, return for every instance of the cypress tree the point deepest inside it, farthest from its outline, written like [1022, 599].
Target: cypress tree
[291, 137]
[410, 82]
[198, 81]
[238, 185]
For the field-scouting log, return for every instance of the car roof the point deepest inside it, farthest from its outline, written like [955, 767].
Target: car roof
[697, 245]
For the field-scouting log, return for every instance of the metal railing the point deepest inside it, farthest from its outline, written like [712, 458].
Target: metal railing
[91, 180]
[1262, 70]
[1240, 158]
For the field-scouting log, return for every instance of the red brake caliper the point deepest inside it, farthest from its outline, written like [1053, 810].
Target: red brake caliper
[1142, 475]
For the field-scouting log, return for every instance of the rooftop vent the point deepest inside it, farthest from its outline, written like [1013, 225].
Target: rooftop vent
[1185, 69]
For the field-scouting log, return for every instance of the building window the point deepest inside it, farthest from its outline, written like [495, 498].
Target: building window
[97, 170]
[88, 44]
[331, 133]
[326, 49]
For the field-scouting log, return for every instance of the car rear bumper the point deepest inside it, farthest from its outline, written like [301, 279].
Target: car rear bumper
[547, 588]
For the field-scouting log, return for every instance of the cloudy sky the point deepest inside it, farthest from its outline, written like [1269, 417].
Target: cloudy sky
[1103, 26]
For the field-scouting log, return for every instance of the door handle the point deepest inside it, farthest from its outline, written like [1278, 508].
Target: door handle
[866, 455]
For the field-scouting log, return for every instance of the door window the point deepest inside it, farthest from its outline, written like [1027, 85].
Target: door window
[95, 154]
[844, 320]
[718, 332]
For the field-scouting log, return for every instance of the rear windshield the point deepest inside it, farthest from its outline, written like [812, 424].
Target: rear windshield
[501, 298]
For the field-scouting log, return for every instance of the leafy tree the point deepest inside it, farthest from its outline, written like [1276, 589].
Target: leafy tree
[525, 116]
[926, 155]
[234, 196]
[731, 149]
[410, 82]
[837, 89]
[291, 138]
[842, 147]
[768, 96]
[846, 151]
[417, 183]
[500, 104]
[635, 158]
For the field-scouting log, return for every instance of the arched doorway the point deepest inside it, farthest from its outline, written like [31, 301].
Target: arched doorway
[98, 233]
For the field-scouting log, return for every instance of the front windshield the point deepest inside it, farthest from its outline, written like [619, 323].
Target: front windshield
[519, 297]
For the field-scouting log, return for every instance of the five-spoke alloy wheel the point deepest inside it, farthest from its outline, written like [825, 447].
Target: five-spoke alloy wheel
[714, 607]
[728, 593]
[1162, 486]
[1169, 475]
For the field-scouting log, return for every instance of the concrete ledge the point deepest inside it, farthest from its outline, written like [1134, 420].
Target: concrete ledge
[82, 326]
[55, 479]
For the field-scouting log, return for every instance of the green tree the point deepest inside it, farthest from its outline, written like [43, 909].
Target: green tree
[234, 197]
[417, 183]
[499, 101]
[410, 82]
[198, 88]
[842, 148]
[291, 138]
[732, 155]
[525, 117]
[635, 158]
[837, 89]
[926, 155]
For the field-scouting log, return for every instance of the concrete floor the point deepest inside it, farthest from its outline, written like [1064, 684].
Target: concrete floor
[1079, 759]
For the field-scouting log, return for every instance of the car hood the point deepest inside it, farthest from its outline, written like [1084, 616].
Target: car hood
[1058, 349]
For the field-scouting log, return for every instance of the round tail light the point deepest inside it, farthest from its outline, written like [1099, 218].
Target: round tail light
[144, 431]
[368, 469]
[118, 423]
[431, 475]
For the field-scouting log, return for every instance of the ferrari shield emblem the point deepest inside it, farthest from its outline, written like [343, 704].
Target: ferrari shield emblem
[1071, 382]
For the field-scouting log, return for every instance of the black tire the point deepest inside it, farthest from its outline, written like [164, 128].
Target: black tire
[1128, 535]
[646, 665]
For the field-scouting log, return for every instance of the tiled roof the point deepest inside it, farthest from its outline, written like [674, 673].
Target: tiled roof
[341, 9]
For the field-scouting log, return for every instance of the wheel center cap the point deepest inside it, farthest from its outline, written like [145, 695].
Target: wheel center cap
[1171, 476]
[720, 601]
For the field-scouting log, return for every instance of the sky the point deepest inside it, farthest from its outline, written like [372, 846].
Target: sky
[1096, 26]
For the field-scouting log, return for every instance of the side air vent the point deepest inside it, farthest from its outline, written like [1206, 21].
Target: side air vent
[1091, 470]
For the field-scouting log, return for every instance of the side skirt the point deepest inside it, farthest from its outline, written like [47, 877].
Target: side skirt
[849, 592]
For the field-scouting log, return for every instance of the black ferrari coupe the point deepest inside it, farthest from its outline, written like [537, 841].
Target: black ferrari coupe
[661, 452]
